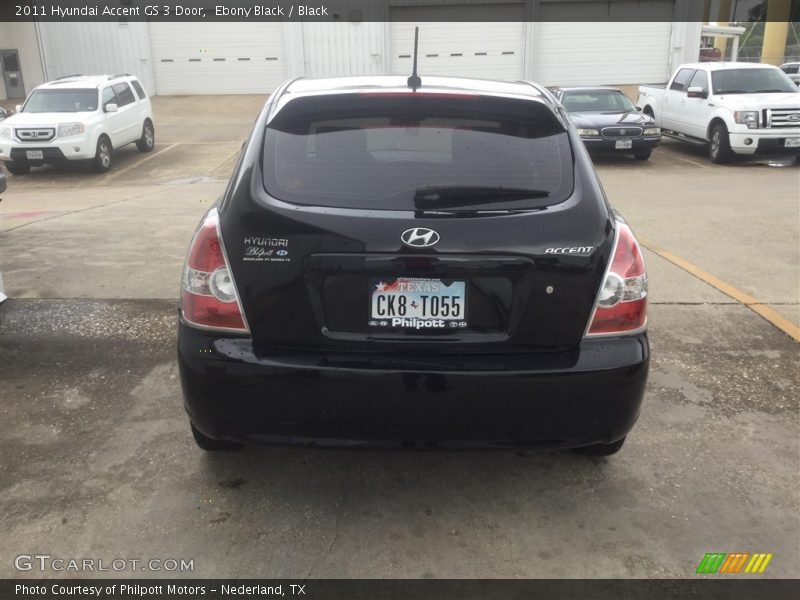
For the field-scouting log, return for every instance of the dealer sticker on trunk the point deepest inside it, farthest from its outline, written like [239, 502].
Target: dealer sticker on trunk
[414, 303]
[266, 249]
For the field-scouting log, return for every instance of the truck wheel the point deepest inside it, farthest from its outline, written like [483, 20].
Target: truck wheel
[102, 156]
[148, 140]
[18, 169]
[211, 445]
[642, 155]
[601, 449]
[719, 150]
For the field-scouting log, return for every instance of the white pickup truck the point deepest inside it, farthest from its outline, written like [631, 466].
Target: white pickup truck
[744, 109]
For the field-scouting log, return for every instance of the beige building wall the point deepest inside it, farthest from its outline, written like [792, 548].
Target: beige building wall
[21, 36]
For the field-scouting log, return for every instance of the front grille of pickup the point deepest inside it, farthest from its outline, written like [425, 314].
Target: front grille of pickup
[782, 117]
[36, 135]
[622, 131]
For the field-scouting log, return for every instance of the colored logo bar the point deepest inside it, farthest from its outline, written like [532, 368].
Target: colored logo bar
[735, 562]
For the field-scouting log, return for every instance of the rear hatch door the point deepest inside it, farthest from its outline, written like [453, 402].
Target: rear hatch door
[435, 222]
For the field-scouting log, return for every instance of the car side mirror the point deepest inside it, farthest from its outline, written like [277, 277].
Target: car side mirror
[18, 108]
[3, 184]
[696, 92]
[111, 107]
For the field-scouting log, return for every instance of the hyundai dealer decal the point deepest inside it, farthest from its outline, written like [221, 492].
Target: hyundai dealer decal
[266, 249]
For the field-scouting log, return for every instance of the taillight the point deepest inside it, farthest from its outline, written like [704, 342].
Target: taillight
[621, 305]
[209, 297]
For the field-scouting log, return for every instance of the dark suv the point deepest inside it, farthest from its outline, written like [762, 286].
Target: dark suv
[422, 267]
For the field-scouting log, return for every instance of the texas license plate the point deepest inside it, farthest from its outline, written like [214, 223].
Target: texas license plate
[623, 144]
[415, 303]
[792, 143]
[34, 154]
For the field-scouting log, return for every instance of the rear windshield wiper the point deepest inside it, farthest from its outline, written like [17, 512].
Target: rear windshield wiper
[444, 196]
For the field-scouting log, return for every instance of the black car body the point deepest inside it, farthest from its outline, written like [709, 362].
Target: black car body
[473, 200]
[608, 122]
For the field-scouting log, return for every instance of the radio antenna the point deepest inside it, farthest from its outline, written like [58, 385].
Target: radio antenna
[414, 81]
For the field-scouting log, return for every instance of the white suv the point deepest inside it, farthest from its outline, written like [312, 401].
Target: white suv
[77, 118]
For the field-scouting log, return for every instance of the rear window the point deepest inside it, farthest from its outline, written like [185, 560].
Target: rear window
[377, 151]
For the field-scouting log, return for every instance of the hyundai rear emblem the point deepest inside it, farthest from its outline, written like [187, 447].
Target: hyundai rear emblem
[419, 237]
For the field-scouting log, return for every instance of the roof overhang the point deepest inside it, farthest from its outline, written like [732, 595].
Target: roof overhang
[725, 31]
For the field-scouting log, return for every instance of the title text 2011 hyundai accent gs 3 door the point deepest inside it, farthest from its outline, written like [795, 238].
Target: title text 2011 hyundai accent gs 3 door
[429, 267]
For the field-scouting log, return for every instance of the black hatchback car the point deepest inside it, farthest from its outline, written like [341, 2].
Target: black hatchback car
[608, 122]
[415, 267]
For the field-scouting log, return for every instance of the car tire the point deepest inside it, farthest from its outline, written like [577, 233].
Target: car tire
[18, 169]
[643, 155]
[211, 445]
[601, 449]
[147, 142]
[719, 148]
[103, 155]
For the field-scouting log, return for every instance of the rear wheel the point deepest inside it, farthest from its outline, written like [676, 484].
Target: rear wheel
[719, 150]
[18, 169]
[102, 156]
[211, 445]
[148, 140]
[643, 155]
[601, 449]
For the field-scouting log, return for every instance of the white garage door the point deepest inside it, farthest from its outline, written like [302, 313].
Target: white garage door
[459, 48]
[602, 52]
[217, 58]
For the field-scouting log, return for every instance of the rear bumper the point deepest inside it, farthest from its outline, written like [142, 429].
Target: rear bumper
[588, 396]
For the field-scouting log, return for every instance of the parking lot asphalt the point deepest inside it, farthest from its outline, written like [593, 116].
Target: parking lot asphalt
[98, 461]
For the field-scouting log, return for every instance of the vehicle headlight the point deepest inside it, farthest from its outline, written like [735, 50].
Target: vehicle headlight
[67, 129]
[746, 117]
[652, 131]
[588, 132]
[5, 133]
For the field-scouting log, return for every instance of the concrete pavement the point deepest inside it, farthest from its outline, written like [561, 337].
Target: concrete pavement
[740, 222]
[98, 462]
